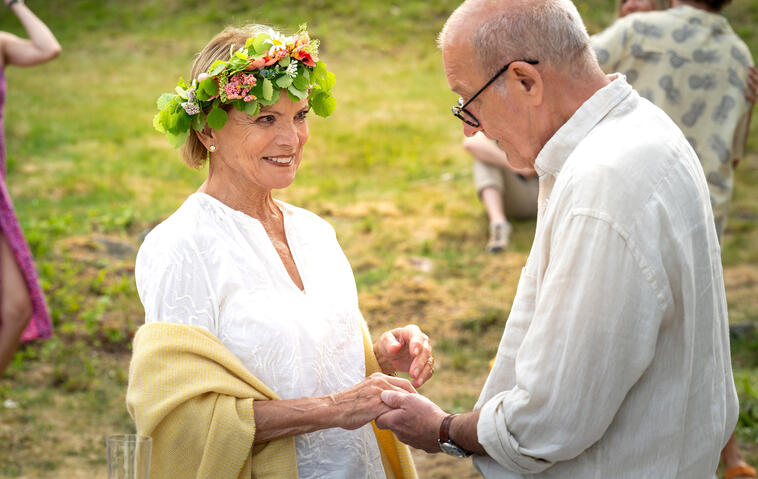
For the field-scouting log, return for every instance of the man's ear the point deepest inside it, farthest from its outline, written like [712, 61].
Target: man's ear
[528, 81]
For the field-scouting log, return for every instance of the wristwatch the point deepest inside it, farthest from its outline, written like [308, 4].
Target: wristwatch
[446, 444]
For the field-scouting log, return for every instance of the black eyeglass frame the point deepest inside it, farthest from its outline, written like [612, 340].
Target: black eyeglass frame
[460, 108]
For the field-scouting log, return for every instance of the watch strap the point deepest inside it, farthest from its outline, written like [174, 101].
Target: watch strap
[445, 428]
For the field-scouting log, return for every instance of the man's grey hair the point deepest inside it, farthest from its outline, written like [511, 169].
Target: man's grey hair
[550, 31]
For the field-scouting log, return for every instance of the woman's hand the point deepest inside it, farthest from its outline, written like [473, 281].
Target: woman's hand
[406, 349]
[362, 403]
[348, 409]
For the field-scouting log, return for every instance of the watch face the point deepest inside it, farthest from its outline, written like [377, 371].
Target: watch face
[451, 449]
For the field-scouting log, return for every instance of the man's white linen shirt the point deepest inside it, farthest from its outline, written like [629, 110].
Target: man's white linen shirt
[615, 359]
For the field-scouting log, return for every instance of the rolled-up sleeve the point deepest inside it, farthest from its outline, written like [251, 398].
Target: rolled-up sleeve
[593, 334]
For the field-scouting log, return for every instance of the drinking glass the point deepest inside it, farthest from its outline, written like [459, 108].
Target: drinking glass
[129, 456]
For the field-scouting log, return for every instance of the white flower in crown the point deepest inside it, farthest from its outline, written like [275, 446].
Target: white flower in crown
[292, 69]
[277, 38]
[277, 48]
[191, 108]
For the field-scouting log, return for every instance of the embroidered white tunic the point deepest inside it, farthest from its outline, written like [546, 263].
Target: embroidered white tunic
[209, 265]
[615, 357]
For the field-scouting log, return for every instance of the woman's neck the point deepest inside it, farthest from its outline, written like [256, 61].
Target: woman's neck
[237, 194]
[694, 4]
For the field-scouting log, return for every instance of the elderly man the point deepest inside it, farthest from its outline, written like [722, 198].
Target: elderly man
[615, 357]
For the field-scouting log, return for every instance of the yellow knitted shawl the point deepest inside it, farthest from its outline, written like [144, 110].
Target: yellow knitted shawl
[196, 399]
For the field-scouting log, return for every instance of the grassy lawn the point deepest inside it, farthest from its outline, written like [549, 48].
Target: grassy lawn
[89, 176]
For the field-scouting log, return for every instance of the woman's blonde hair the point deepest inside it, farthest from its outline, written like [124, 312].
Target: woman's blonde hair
[657, 4]
[193, 151]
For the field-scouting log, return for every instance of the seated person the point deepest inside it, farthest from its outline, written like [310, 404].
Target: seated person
[503, 190]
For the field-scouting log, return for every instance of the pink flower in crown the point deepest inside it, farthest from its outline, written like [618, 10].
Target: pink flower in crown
[231, 90]
[250, 98]
[248, 79]
[257, 63]
[239, 85]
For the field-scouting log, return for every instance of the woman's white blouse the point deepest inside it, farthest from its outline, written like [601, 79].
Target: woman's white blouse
[212, 266]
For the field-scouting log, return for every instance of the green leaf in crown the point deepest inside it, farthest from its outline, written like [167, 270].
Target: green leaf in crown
[254, 76]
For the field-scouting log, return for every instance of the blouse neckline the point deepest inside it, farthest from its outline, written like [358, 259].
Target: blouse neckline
[288, 234]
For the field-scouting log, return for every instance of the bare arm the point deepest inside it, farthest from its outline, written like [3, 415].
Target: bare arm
[349, 409]
[463, 432]
[736, 161]
[39, 48]
[488, 152]
[752, 96]
[751, 93]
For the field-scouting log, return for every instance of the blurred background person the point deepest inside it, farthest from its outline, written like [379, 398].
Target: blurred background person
[505, 191]
[625, 7]
[23, 313]
[689, 62]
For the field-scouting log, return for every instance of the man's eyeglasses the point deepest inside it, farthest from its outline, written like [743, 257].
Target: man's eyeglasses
[466, 116]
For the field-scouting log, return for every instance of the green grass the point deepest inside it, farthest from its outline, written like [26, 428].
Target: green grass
[89, 175]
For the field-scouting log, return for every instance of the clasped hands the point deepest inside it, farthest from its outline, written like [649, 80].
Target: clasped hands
[393, 402]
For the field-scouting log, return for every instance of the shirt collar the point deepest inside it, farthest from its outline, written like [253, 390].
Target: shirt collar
[553, 155]
[698, 16]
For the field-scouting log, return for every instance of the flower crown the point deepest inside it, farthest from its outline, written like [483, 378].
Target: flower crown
[253, 77]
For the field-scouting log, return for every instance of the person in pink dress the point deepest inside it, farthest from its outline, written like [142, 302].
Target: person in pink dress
[23, 313]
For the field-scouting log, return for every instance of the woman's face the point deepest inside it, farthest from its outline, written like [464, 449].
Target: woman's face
[634, 6]
[263, 150]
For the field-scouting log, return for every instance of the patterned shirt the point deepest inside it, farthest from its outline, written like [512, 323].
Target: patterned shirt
[691, 64]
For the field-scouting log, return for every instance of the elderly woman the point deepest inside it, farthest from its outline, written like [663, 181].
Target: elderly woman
[255, 356]
[23, 313]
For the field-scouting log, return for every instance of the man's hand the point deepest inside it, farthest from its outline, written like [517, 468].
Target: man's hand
[406, 349]
[415, 420]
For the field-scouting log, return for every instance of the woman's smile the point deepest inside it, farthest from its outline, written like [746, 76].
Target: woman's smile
[280, 160]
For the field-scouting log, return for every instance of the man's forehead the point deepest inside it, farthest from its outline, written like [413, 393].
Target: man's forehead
[461, 69]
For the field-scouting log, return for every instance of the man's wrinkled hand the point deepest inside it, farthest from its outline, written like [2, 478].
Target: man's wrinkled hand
[414, 419]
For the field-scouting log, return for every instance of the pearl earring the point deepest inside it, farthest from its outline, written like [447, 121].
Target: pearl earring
[212, 148]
